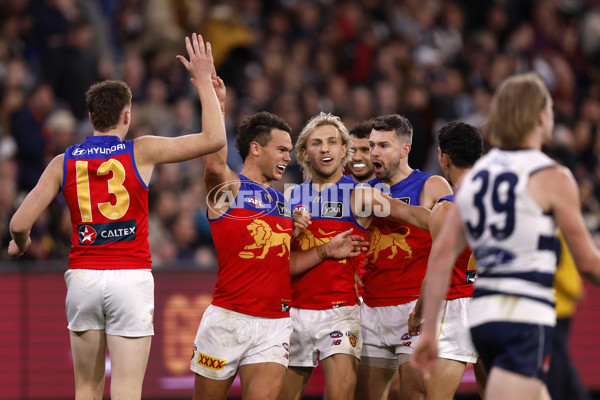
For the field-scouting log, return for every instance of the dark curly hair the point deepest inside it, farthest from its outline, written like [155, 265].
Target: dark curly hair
[257, 128]
[361, 130]
[461, 142]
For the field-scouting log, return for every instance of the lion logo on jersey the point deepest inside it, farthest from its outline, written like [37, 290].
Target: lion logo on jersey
[308, 240]
[379, 242]
[265, 238]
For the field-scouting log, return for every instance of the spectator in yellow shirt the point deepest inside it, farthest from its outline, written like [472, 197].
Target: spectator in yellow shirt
[563, 379]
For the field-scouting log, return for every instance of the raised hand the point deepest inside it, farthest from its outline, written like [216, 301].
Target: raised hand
[220, 88]
[200, 64]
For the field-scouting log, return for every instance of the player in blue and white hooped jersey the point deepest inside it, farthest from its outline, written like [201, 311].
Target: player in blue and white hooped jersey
[509, 206]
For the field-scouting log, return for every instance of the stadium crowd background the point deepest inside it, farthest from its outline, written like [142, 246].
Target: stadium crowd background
[433, 61]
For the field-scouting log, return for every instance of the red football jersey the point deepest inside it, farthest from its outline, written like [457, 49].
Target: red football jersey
[108, 202]
[330, 283]
[253, 251]
[463, 276]
[464, 273]
[396, 263]
[398, 253]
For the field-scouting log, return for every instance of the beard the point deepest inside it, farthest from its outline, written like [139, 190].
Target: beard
[364, 175]
[387, 172]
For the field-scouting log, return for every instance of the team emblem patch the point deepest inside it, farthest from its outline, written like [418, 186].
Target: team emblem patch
[266, 238]
[194, 348]
[352, 337]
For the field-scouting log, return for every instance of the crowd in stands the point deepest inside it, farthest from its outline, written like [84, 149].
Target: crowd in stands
[433, 61]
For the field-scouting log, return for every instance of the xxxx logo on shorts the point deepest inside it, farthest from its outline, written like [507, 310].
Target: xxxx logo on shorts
[210, 362]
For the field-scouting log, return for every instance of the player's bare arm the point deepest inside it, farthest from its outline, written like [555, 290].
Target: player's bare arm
[436, 222]
[218, 177]
[34, 204]
[367, 202]
[153, 150]
[415, 215]
[434, 189]
[343, 245]
[444, 251]
[555, 190]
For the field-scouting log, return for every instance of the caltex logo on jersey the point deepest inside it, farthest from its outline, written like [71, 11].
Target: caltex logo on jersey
[87, 234]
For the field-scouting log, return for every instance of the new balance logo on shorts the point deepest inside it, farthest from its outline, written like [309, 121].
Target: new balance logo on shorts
[210, 362]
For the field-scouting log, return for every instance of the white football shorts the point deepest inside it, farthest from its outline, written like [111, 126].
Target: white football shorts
[454, 335]
[227, 339]
[385, 334]
[120, 302]
[386, 341]
[322, 333]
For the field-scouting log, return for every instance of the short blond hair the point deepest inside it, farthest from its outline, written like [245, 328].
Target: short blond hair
[515, 109]
[315, 122]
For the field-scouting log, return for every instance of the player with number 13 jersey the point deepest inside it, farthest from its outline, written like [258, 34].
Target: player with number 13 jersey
[109, 205]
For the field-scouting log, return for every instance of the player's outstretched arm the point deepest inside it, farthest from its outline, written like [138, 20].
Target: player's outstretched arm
[555, 190]
[34, 204]
[368, 202]
[343, 245]
[445, 250]
[152, 150]
[415, 215]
